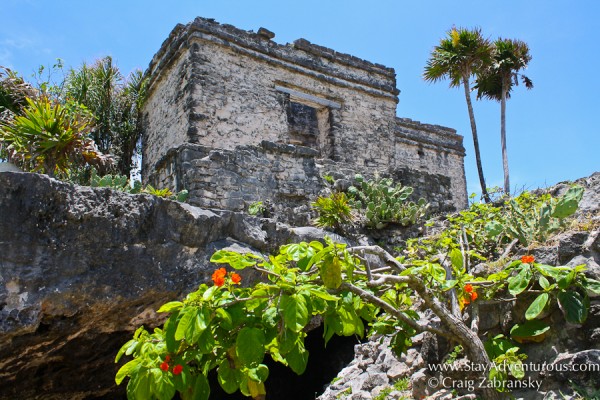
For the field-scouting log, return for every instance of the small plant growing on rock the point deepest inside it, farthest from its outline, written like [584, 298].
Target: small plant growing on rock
[334, 211]
[381, 202]
[530, 218]
[50, 137]
[122, 184]
[257, 208]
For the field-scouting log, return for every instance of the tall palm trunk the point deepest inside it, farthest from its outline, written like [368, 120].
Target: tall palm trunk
[484, 192]
[503, 140]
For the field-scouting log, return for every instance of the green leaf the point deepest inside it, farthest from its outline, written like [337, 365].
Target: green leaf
[295, 312]
[201, 388]
[317, 292]
[537, 306]
[574, 306]
[138, 387]
[543, 282]
[228, 377]
[206, 342]
[250, 346]
[225, 320]
[529, 329]
[456, 258]
[187, 319]
[170, 306]
[568, 203]
[553, 272]
[169, 330]
[234, 259]
[493, 228]
[298, 359]
[131, 344]
[287, 341]
[400, 342]
[126, 370]
[517, 284]
[259, 374]
[448, 284]
[567, 279]
[331, 272]
[591, 284]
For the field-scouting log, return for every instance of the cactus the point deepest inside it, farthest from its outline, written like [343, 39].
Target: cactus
[382, 202]
[530, 218]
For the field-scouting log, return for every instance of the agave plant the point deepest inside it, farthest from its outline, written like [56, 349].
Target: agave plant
[50, 138]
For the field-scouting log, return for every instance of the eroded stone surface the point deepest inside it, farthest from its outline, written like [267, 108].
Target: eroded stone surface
[235, 118]
[81, 268]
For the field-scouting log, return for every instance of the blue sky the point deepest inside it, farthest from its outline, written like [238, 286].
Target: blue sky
[553, 134]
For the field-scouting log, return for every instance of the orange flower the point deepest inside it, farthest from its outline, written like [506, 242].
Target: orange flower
[177, 369]
[219, 281]
[164, 366]
[468, 288]
[466, 300]
[218, 276]
[473, 296]
[528, 259]
[235, 278]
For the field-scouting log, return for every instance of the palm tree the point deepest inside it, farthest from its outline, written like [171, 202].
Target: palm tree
[496, 82]
[115, 102]
[460, 55]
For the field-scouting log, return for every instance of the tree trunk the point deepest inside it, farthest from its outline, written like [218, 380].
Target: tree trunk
[503, 140]
[466, 337]
[484, 192]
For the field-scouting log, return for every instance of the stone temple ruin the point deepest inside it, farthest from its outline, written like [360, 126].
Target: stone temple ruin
[236, 118]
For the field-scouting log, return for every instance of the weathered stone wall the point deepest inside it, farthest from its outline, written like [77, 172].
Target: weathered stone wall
[228, 92]
[284, 176]
[433, 151]
[169, 122]
[239, 85]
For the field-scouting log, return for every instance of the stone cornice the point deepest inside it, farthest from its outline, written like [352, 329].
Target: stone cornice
[301, 56]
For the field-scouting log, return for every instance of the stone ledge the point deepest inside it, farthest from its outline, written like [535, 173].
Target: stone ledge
[437, 137]
[293, 53]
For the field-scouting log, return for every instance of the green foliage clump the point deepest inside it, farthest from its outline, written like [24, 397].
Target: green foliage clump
[14, 92]
[115, 101]
[507, 360]
[231, 329]
[121, 183]
[50, 137]
[257, 208]
[381, 202]
[533, 218]
[334, 211]
[96, 103]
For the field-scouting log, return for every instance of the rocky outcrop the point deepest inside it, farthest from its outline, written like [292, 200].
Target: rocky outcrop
[81, 268]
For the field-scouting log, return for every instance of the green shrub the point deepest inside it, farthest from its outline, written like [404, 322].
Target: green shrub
[381, 202]
[50, 137]
[121, 183]
[257, 208]
[533, 218]
[334, 211]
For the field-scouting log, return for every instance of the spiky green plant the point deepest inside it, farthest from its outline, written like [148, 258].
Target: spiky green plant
[50, 137]
[334, 211]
